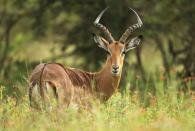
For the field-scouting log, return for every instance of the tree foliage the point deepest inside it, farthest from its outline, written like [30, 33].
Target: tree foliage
[169, 24]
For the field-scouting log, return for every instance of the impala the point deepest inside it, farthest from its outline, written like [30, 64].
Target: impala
[73, 85]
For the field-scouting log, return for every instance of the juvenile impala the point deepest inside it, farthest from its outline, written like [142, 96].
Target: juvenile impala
[73, 85]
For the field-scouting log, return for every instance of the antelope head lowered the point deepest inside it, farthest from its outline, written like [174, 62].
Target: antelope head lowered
[73, 85]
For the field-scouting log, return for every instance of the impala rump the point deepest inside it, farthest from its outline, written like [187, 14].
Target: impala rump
[64, 83]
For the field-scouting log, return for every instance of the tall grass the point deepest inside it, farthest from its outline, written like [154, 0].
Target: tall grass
[148, 107]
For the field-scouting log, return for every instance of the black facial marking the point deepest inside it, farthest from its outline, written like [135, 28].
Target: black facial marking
[108, 52]
[123, 52]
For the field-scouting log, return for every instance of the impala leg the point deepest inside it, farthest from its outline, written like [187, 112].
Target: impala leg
[30, 89]
[48, 95]
[61, 97]
[59, 94]
[52, 85]
[33, 95]
[52, 94]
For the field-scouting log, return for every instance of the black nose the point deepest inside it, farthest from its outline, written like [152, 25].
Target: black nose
[115, 67]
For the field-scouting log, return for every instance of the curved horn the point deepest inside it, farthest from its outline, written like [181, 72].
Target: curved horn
[130, 29]
[102, 27]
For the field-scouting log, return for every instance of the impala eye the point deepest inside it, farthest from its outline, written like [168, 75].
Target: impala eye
[108, 52]
[123, 52]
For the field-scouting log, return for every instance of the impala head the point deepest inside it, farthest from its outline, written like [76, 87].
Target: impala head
[116, 50]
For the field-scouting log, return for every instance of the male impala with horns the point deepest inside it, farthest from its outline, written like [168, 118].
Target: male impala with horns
[74, 85]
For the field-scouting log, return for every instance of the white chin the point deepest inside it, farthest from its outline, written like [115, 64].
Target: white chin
[115, 74]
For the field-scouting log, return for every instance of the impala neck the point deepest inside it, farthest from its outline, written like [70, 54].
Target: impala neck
[106, 83]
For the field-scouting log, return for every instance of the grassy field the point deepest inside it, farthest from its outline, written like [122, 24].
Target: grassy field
[124, 111]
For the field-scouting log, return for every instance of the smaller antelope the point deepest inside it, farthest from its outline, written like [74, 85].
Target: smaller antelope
[73, 85]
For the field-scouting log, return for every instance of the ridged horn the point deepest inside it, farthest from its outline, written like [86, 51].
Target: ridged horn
[103, 28]
[130, 29]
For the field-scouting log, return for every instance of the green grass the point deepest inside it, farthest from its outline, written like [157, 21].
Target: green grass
[127, 111]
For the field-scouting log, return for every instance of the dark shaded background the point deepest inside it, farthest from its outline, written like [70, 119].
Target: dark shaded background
[34, 31]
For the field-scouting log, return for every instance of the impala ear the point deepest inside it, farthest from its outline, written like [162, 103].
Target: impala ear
[133, 43]
[101, 42]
